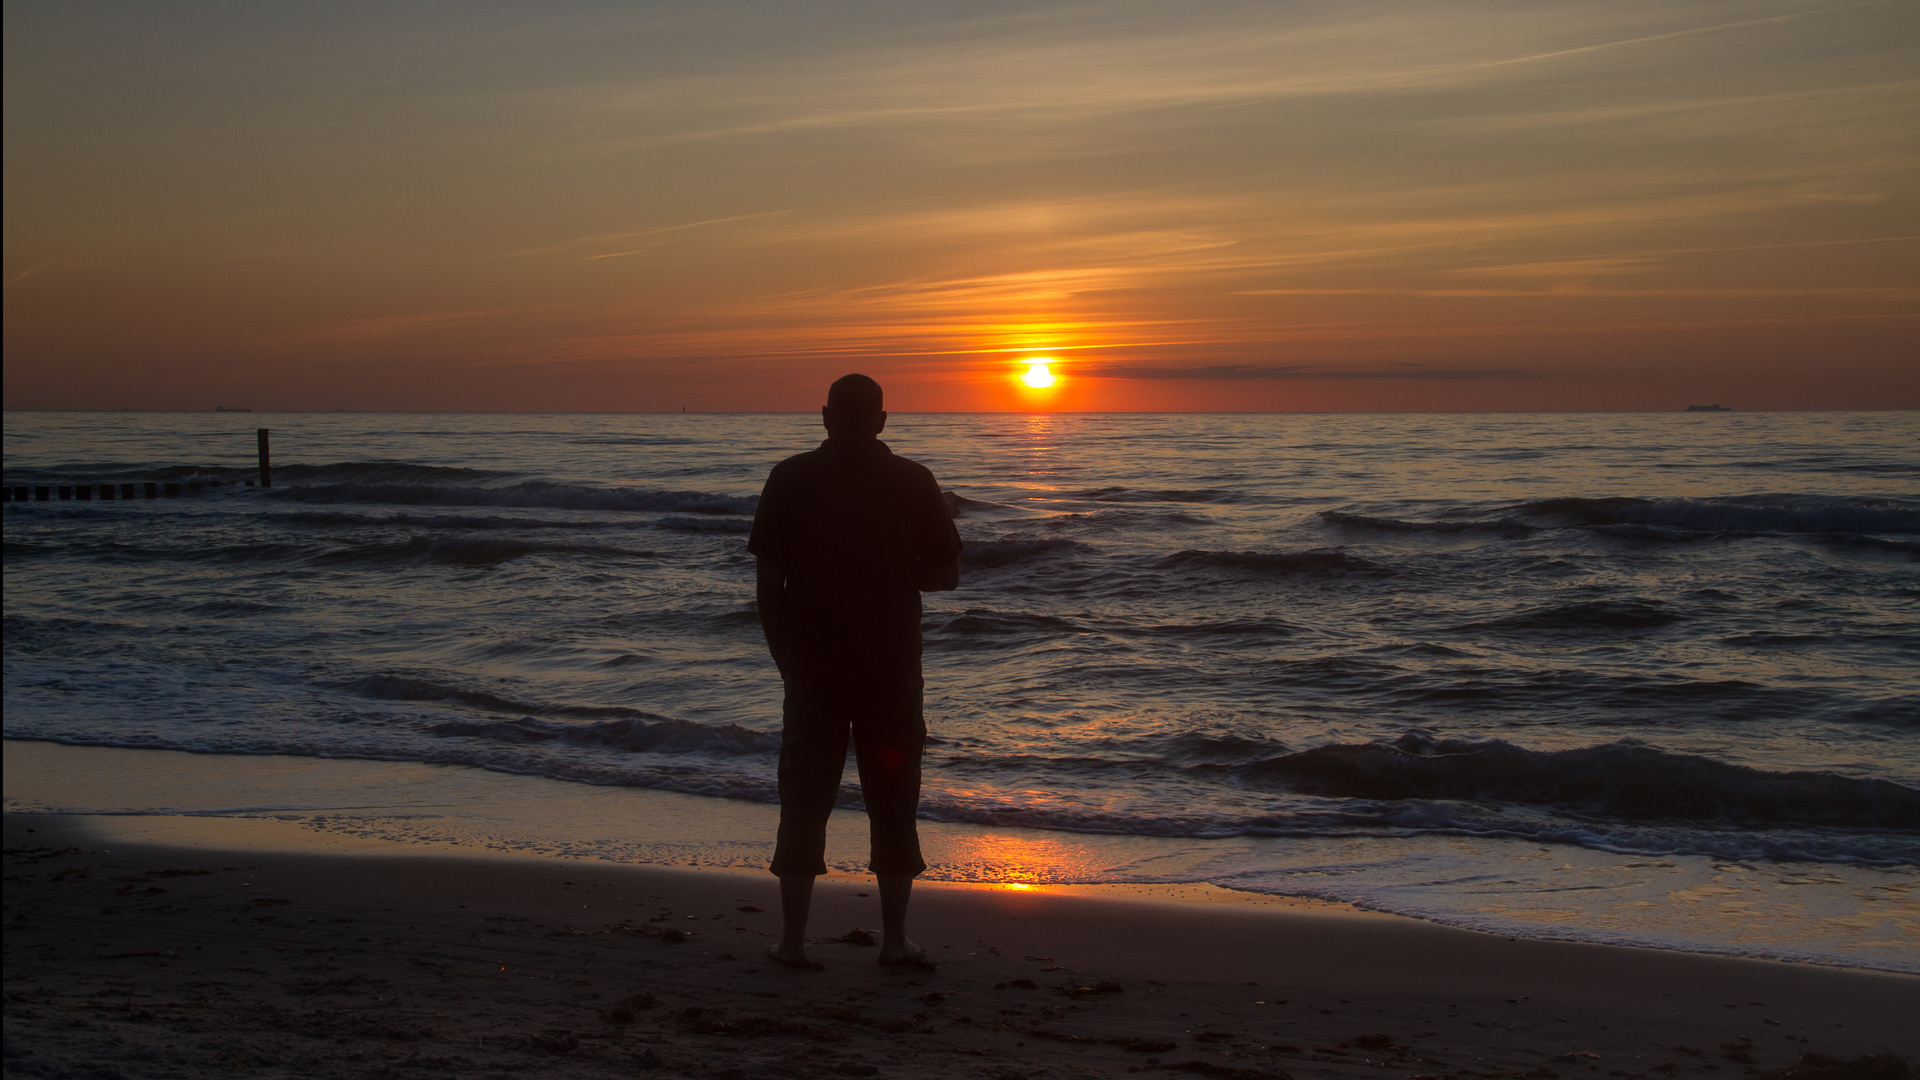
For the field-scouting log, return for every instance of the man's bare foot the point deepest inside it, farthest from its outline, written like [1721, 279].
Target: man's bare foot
[795, 957]
[905, 952]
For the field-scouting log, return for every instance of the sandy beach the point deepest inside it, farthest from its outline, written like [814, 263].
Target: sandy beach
[1342, 540]
[152, 947]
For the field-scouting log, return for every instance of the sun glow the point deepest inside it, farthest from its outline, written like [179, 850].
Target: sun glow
[1039, 374]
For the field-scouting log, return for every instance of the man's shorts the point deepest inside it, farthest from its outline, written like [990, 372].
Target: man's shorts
[888, 734]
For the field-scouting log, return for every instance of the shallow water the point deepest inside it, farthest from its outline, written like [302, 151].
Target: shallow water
[1437, 664]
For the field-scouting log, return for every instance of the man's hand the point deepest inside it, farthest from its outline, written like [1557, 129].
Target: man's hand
[770, 596]
[942, 578]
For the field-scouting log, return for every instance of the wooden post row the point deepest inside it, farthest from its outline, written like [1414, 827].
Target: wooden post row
[150, 489]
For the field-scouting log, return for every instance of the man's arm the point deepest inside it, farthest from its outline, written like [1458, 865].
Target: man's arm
[944, 577]
[770, 596]
[936, 541]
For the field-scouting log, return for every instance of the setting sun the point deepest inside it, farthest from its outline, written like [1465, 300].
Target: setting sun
[1038, 375]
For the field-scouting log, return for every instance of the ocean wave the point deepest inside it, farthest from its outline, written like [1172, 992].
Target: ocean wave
[1502, 525]
[1670, 534]
[633, 440]
[26, 633]
[1422, 783]
[350, 519]
[1193, 746]
[634, 735]
[1359, 819]
[1599, 616]
[728, 525]
[1175, 495]
[1124, 522]
[993, 554]
[518, 748]
[983, 622]
[1242, 631]
[959, 506]
[1409, 820]
[381, 686]
[1909, 548]
[345, 518]
[1306, 563]
[531, 493]
[231, 608]
[1784, 514]
[1856, 644]
[444, 549]
[1620, 780]
[15, 551]
[466, 551]
[126, 472]
[377, 472]
[344, 472]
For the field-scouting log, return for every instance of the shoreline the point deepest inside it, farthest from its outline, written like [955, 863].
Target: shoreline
[206, 944]
[1803, 913]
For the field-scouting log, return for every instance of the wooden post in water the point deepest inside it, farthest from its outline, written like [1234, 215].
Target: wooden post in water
[266, 462]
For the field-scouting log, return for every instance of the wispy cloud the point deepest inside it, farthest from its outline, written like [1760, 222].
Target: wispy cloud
[1646, 39]
[618, 237]
[1873, 293]
[1054, 70]
[1242, 192]
[389, 326]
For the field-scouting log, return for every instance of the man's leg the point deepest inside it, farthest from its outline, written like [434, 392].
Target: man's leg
[895, 891]
[796, 901]
[813, 752]
[889, 736]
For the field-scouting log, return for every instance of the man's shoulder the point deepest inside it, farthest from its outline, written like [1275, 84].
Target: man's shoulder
[803, 462]
[825, 460]
[909, 467]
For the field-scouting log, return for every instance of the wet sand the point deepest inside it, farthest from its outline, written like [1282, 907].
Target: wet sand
[211, 947]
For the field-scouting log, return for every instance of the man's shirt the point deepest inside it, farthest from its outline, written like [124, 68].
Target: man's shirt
[856, 528]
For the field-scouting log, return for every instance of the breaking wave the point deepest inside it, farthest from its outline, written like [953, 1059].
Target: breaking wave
[1790, 514]
[1624, 780]
[1174, 495]
[468, 551]
[992, 554]
[530, 493]
[1505, 526]
[1307, 563]
[663, 736]
[384, 687]
[1594, 617]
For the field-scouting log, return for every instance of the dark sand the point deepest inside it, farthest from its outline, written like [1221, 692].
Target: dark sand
[228, 950]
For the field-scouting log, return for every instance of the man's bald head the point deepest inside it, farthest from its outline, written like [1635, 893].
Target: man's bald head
[854, 408]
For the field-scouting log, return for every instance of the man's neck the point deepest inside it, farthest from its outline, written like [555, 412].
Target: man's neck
[853, 442]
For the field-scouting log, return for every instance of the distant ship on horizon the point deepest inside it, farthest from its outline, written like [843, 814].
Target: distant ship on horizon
[230, 408]
[1708, 408]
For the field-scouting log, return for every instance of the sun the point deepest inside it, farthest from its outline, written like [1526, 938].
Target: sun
[1038, 375]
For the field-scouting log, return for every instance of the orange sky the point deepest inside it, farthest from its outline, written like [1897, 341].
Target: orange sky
[1299, 206]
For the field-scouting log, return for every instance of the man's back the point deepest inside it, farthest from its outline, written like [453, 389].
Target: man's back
[856, 529]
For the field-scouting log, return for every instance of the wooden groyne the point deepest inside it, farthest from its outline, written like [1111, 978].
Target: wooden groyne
[140, 489]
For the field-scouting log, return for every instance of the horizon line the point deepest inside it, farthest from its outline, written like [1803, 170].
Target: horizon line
[1681, 411]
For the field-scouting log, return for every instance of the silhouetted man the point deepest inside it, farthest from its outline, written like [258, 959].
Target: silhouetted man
[846, 538]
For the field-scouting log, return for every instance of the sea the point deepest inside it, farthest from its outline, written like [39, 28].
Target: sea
[1649, 679]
